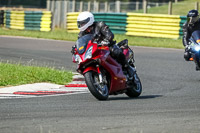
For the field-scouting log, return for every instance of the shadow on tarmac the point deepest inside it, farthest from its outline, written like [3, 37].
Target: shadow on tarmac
[137, 98]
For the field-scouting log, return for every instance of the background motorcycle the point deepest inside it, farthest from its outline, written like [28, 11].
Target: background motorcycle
[195, 47]
[103, 74]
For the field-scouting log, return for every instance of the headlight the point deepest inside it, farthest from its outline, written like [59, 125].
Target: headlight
[197, 47]
[78, 59]
[88, 53]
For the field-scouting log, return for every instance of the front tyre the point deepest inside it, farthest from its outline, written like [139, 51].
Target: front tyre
[136, 89]
[99, 91]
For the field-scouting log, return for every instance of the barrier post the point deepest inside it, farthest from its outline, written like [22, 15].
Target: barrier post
[97, 6]
[170, 8]
[48, 5]
[57, 14]
[145, 6]
[52, 5]
[137, 5]
[81, 6]
[197, 5]
[63, 14]
[73, 5]
[106, 6]
[157, 4]
[89, 5]
[117, 8]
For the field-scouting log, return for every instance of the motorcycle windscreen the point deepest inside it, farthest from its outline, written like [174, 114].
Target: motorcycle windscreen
[81, 43]
[196, 36]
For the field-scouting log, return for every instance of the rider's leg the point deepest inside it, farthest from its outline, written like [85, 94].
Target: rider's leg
[187, 54]
[117, 53]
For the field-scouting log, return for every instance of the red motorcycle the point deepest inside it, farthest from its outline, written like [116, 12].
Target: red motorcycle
[103, 74]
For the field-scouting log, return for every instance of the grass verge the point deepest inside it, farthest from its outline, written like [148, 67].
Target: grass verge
[58, 34]
[16, 74]
[179, 8]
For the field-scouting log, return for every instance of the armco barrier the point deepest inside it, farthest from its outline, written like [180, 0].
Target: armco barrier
[136, 24]
[154, 25]
[72, 22]
[28, 20]
[116, 21]
[1, 17]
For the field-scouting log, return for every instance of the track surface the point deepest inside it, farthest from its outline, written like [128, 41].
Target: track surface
[170, 101]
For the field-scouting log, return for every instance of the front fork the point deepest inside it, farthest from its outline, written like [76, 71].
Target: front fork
[100, 75]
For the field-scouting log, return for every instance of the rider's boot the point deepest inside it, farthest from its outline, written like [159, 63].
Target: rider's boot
[187, 56]
[131, 71]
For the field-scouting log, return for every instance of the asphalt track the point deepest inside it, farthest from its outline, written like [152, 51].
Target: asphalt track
[170, 102]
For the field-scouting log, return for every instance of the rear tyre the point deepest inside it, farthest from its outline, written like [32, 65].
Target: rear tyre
[136, 89]
[99, 91]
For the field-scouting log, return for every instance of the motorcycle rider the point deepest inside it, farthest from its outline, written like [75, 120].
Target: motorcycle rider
[87, 25]
[192, 24]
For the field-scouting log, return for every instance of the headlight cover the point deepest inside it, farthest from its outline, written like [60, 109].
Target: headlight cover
[78, 59]
[197, 48]
[88, 53]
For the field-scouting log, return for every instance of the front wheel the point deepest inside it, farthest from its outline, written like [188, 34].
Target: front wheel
[99, 90]
[136, 89]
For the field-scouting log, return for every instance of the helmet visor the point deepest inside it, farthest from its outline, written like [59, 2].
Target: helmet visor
[192, 20]
[83, 22]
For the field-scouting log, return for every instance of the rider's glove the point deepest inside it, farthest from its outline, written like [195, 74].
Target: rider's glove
[73, 49]
[105, 42]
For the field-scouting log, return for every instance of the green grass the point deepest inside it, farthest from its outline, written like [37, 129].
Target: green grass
[58, 34]
[180, 8]
[151, 42]
[16, 74]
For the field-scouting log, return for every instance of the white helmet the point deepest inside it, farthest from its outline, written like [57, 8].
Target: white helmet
[84, 20]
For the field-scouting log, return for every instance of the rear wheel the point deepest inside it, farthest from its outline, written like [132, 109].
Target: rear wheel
[136, 89]
[99, 90]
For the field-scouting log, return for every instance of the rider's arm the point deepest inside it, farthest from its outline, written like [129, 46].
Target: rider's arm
[186, 34]
[105, 31]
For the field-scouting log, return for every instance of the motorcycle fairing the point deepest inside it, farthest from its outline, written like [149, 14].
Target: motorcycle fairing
[118, 79]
